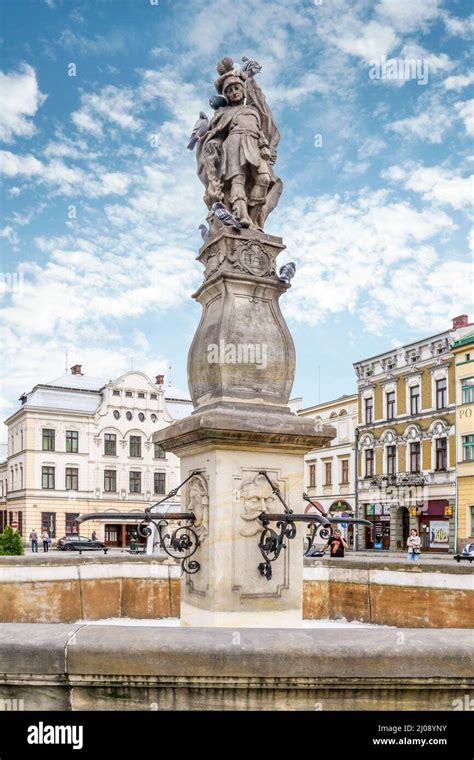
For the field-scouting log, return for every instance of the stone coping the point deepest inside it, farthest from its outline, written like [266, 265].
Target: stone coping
[110, 651]
[448, 566]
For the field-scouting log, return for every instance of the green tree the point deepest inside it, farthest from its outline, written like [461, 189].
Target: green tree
[10, 542]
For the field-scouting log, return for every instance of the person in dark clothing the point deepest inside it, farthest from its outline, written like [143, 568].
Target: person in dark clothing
[336, 544]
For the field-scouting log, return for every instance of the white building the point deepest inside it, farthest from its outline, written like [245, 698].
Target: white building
[330, 471]
[82, 444]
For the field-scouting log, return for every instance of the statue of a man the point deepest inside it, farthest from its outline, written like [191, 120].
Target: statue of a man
[236, 155]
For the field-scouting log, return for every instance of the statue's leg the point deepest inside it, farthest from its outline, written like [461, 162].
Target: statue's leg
[258, 197]
[238, 200]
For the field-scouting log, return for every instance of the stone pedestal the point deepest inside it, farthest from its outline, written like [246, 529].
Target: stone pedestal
[241, 368]
[230, 449]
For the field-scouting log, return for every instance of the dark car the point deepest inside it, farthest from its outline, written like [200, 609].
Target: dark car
[467, 553]
[80, 544]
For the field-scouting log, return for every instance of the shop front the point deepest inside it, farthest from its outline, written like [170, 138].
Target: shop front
[378, 537]
[436, 526]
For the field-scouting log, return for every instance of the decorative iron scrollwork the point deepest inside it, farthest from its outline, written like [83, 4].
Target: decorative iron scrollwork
[272, 542]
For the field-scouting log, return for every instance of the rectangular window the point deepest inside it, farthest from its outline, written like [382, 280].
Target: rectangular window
[135, 482]
[415, 457]
[345, 471]
[48, 440]
[312, 476]
[153, 395]
[48, 522]
[467, 448]
[110, 444]
[128, 394]
[116, 393]
[441, 394]
[159, 452]
[72, 441]
[141, 395]
[328, 473]
[441, 453]
[110, 481]
[390, 398]
[159, 482]
[72, 479]
[71, 525]
[369, 463]
[135, 446]
[391, 460]
[415, 399]
[369, 410]
[47, 477]
[467, 387]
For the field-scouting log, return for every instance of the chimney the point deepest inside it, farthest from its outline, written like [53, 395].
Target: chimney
[76, 369]
[160, 379]
[461, 321]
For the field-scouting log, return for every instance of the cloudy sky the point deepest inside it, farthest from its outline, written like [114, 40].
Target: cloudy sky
[101, 202]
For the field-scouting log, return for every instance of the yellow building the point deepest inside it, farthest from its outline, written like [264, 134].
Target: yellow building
[407, 444]
[463, 351]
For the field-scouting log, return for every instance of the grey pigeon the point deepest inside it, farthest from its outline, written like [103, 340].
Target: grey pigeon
[218, 101]
[287, 272]
[200, 129]
[250, 67]
[204, 231]
[225, 216]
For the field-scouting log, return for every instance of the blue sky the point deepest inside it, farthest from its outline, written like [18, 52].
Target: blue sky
[101, 202]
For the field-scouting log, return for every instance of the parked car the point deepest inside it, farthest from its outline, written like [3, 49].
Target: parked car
[80, 544]
[467, 553]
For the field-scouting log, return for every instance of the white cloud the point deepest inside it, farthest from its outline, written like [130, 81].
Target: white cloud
[459, 27]
[430, 124]
[21, 98]
[349, 251]
[465, 109]
[113, 105]
[407, 16]
[9, 234]
[434, 183]
[459, 81]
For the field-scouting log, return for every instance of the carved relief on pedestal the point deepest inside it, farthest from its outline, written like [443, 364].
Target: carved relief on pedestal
[197, 501]
[256, 497]
[248, 255]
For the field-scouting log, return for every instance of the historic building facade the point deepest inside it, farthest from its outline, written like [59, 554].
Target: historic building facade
[330, 477]
[406, 445]
[463, 351]
[81, 444]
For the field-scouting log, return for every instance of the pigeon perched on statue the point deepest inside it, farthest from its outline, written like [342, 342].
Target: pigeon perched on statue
[200, 129]
[287, 272]
[225, 216]
[250, 67]
[204, 231]
[218, 101]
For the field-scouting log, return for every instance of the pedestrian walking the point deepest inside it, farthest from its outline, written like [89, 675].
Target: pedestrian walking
[46, 540]
[34, 541]
[94, 536]
[336, 544]
[414, 545]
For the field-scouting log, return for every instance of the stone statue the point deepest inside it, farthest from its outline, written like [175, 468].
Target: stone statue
[236, 154]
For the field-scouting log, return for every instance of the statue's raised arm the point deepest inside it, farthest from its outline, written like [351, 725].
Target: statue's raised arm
[236, 151]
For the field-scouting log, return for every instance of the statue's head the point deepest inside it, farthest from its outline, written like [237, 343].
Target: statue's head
[234, 90]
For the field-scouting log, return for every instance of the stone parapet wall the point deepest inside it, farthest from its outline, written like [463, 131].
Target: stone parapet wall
[64, 589]
[92, 667]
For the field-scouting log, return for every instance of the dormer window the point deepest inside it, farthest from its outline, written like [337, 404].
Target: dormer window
[128, 394]
[116, 393]
[141, 395]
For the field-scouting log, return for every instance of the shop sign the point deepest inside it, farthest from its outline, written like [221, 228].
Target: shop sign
[439, 534]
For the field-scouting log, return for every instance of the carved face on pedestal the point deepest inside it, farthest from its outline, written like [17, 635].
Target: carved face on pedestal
[235, 93]
[257, 497]
[198, 502]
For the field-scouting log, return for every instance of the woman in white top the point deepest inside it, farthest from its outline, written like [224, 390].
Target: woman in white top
[413, 544]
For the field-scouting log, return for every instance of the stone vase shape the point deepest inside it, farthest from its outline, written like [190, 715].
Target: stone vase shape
[242, 352]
